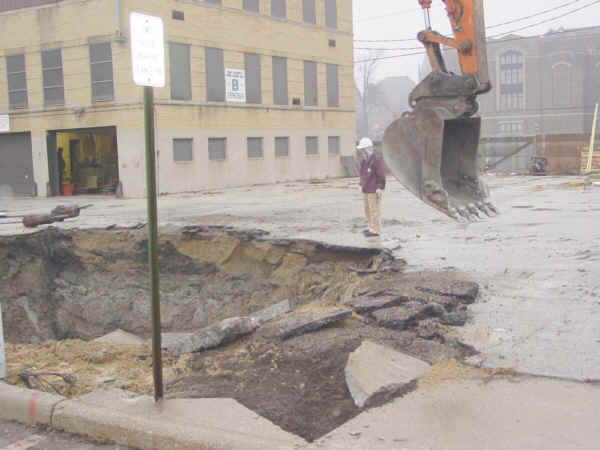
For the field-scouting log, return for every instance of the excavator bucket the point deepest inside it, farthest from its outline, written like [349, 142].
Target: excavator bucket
[434, 155]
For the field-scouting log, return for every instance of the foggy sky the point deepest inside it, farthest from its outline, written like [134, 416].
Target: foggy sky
[403, 19]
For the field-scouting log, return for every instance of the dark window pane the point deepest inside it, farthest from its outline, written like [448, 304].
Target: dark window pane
[215, 74]
[179, 63]
[251, 5]
[334, 145]
[18, 99]
[312, 145]
[100, 52]
[183, 150]
[216, 2]
[280, 84]
[102, 72]
[16, 81]
[51, 59]
[278, 8]
[15, 63]
[53, 77]
[309, 11]
[333, 96]
[216, 149]
[102, 91]
[54, 96]
[255, 147]
[282, 146]
[253, 85]
[331, 13]
[311, 95]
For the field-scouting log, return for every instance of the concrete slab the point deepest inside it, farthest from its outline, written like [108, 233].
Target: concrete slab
[121, 337]
[303, 322]
[374, 369]
[26, 405]
[212, 336]
[272, 312]
[138, 422]
[525, 413]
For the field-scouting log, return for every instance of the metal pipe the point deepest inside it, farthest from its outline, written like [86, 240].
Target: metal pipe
[118, 17]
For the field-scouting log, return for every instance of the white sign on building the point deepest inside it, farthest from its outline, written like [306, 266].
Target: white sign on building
[4, 123]
[235, 85]
[147, 50]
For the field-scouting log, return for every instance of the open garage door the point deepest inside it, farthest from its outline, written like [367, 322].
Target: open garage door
[16, 164]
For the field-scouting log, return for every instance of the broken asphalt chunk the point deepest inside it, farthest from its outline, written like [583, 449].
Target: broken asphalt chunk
[367, 303]
[212, 336]
[303, 322]
[405, 316]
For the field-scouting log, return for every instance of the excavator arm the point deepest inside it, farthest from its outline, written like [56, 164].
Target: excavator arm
[433, 149]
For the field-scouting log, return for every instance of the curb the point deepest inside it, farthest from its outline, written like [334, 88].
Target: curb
[26, 405]
[139, 422]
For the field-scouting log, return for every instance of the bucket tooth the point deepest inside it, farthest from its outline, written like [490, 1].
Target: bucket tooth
[484, 209]
[492, 208]
[473, 210]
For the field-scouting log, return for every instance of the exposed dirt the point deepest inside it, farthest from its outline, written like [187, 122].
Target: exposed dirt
[58, 285]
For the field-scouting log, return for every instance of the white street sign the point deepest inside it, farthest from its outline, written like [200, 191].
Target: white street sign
[235, 85]
[4, 123]
[147, 50]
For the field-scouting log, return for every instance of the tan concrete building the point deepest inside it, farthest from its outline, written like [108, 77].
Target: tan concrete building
[66, 83]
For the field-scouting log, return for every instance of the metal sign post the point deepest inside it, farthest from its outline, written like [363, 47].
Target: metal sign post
[148, 64]
[2, 357]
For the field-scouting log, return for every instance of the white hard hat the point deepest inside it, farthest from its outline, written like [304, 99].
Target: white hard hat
[365, 143]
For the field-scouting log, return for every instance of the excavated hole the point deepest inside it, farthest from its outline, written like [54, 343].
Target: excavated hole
[61, 289]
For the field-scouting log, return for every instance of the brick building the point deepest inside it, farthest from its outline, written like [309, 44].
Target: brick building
[545, 87]
[66, 83]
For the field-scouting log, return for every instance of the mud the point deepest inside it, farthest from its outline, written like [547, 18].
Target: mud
[61, 288]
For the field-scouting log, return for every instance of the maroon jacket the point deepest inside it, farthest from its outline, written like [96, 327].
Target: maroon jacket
[372, 173]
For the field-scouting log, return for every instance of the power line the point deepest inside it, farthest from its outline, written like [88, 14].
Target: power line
[520, 19]
[540, 13]
[519, 38]
[541, 22]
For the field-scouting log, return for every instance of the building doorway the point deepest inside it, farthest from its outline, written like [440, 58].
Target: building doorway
[83, 161]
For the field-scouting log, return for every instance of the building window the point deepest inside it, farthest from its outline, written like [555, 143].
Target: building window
[282, 146]
[52, 74]
[333, 145]
[217, 149]
[179, 67]
[511, 81]
[280, 83]
[312, 145]
[309, 14]
[510, 128]
[311, 94]
[183, 150]
[251, 5]
[331, 14]
[561, 84]
[17, 81]
[333, 90]
[102, 72]
[253, 85]
[216, 2]
[255, 147]
[215, 74]
[279, 9]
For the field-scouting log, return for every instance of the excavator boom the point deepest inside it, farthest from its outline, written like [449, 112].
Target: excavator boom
[433, 148]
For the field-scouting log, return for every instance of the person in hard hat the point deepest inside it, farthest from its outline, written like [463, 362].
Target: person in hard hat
[372, 184]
